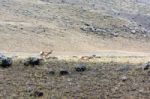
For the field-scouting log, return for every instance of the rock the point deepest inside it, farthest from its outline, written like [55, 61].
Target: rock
[63, 72]
[89, 29]
[86, 24]
[133, 31]
[80, 68]
[93, 29]
[31, 61]
[51, 72]
[38, 94]
[114, 34]
[141, 90]
[84, 29]
[123, 78]
[146, 66]
[5, 62]
[93, 55]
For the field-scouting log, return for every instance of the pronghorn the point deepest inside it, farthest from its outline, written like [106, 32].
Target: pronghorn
[45, 55]
[86, 58]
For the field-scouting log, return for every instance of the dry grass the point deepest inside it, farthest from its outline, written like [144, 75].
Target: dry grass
[102, 79]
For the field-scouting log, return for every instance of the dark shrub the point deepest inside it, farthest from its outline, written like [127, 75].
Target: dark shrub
[63, 72]
[31, 61]
[5, 62]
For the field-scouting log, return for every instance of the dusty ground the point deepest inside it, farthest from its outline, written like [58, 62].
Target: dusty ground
[74, 25]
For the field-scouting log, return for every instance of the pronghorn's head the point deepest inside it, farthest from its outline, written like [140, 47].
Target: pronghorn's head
[41, 53]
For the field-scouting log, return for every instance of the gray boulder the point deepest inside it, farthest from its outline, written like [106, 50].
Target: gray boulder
[146, 66]
[80, 68]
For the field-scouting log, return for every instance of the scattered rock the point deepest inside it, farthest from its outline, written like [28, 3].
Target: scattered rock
[133, 31]
[114, 34]
[86, 24]
[140, 25]
[93, 55]
[141, 90]
[51, 72]
[21, 28]
[31, 61]
[124, 78]
[38, 94]
[5, 62]
[100, 31]
[146, 66]
[80, 68]
[29, 89]
[63, 72]
[88, 29]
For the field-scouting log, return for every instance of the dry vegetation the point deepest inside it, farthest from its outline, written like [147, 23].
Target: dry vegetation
[106, 80]
[73, 30]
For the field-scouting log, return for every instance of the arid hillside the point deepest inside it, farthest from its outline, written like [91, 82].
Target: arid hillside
[74, 25]
[74, 49]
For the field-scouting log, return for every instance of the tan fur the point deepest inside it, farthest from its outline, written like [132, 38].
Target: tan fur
[45, 55]
[86, 57]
